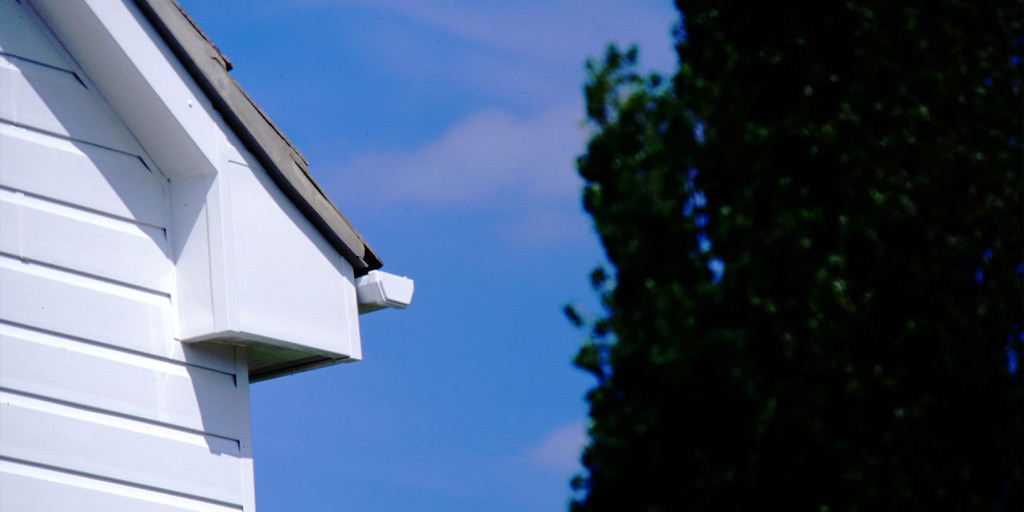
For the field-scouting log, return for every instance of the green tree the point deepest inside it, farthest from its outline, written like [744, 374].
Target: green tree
[815, 232]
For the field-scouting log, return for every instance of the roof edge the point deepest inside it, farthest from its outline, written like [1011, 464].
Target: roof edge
[287, 168]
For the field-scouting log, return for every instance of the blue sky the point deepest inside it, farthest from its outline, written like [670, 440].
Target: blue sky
[447, 132]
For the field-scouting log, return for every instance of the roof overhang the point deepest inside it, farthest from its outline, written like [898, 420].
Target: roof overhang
[282, 161]
[237, 187]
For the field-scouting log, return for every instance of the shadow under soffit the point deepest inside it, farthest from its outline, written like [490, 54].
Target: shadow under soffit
[264, 365]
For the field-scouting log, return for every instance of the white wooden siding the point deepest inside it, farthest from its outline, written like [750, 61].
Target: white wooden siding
[56, 101]
[97, 443]
[126, 190]
[35, 44]
[101, 408]
[89, 242]
[163, 391]
[30, 488]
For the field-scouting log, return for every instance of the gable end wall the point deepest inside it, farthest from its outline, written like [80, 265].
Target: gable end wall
[101, 407]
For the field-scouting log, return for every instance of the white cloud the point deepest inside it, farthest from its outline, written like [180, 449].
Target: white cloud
[519, 66]
[539, 43]
[544, 226]
[560, 449]
[487, 156]
[546, 30]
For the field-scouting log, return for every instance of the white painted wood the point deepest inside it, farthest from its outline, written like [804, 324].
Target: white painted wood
[300, 294]
[101, 408]
[255, 270]
[289, 283]
[190, 221]
[146, 85]
[80, 174]
[84, 241]
[91, 443]
[27, 488]
[56, 101]
[245, 439]
[125, 383]
[103, 312]
[22, 35]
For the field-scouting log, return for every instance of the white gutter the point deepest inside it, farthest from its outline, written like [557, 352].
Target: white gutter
[379, 290]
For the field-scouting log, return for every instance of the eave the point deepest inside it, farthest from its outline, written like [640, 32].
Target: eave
[282, 161]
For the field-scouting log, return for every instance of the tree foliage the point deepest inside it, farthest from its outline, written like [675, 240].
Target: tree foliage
[856, 170]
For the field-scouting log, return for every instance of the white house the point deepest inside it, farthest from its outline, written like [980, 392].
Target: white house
[162, 245]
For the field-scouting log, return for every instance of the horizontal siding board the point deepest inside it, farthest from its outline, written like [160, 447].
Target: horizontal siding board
[101, 407]
[98, 311]
[22, 35]
[85, 242]
[10, 227]
[90, 443]
[56, 101]
[27, 488]
[112, 380]
[79, 174]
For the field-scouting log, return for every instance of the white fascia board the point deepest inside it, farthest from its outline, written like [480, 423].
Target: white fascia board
[141, 79]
